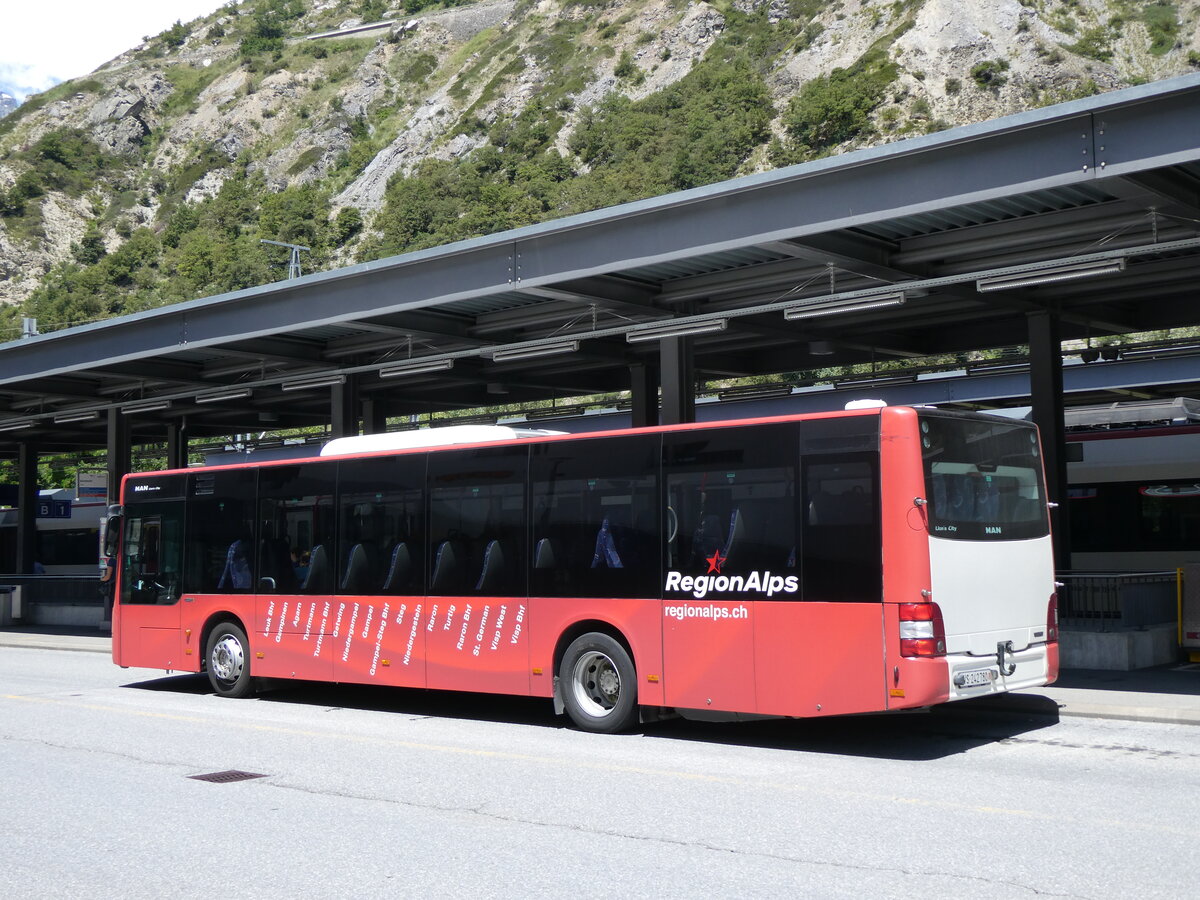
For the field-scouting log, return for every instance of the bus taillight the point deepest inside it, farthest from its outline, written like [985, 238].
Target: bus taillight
[1052, 620]
[922, 631]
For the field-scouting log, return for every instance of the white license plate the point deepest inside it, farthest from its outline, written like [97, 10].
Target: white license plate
[975, 678]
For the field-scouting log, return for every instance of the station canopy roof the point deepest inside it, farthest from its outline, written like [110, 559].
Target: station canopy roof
[938, 244]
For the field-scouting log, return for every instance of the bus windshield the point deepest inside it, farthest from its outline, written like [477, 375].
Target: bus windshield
[983, 479]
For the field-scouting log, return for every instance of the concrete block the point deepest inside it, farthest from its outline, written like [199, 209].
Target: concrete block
[64, 614]
[1122, 651]
[10, 605]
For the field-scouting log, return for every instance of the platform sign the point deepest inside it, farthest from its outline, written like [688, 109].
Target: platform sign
[91, 484]
[54, 509]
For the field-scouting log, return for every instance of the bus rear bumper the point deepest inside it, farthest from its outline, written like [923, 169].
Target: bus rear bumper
[978, 676]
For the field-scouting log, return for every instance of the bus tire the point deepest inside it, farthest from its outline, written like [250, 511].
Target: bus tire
[227, 659]
[598, 684]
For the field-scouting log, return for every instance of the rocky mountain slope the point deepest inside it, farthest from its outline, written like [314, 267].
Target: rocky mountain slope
[360, 128]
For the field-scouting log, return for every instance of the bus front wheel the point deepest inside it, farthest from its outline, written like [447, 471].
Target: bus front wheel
[598, 684]
[228, 661]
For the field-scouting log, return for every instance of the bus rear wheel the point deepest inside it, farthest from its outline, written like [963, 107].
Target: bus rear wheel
[228, 661]
[598, 684]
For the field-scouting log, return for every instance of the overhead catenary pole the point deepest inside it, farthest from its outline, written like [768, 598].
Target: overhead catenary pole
[293, 256]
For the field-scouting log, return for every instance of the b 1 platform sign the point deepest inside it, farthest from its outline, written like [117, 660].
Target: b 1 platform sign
[54, 509]
[91, 484]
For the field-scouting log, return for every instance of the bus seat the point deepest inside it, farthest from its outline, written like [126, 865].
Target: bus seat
[277, 566]
[737, 532]
[445, 567]
[856, 507]
[821, 509]
[851, 507]
[399, 568]
[357, 579]
[236, 575]
[543, 554]
[493, 567]
[317, 580]
[606, 555]
[706, 539]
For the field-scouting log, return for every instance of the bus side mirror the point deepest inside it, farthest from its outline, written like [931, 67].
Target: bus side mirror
[112, 534]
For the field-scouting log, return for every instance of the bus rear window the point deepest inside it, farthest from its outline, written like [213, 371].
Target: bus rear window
[983, 479]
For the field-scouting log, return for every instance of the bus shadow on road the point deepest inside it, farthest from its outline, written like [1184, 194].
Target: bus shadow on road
[186, 683]
[408, 702]
[418, 703]
[911, 736]
[920, 735]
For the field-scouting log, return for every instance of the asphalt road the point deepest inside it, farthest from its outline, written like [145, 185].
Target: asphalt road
[367, 792]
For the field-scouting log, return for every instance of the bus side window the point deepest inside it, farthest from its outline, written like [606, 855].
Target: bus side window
[732, 502]
[220, 531]
[477, 525]
[295, 518]
[596, 518]
[841, 557]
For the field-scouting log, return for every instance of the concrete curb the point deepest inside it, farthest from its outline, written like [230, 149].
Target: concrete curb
[1132, 713]
[72, 642]
[1091, 703]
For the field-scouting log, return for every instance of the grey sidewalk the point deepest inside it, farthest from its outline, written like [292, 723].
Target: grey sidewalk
[49, 637]
[1168, 693]
[1162, 694]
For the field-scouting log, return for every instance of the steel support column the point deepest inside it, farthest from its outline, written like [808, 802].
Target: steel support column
[374, 419]
[177, 447]
[343, 412]
[1046, 392]
[643, 389]
[27, 503]
[118, 453]
[677, 364]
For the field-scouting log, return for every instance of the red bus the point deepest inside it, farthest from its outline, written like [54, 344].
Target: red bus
[849, 562]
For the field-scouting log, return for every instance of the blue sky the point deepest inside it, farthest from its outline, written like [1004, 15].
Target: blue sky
[43, 42]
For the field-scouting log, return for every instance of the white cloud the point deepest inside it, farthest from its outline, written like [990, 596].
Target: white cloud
[43, 42]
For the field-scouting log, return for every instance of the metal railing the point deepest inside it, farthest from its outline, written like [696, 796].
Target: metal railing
[1111, 601]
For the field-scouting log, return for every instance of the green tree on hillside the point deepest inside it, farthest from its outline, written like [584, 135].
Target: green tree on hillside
[695, 132]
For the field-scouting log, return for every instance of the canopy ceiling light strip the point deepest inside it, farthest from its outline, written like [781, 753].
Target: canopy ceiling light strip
[416, 367]
[755, 393]
[145, 406]
[67, 418]
[686, 329]
[1051, 275]
[222, 396]
[14, 426]
[876, 381]
[534, 352]
[845, 305]
[306, 384]
[998, 369]
[1184, 350]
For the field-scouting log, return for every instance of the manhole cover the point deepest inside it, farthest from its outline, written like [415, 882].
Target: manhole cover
[226, 776]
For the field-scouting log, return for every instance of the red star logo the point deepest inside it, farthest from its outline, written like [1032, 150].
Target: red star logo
[715, 562]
